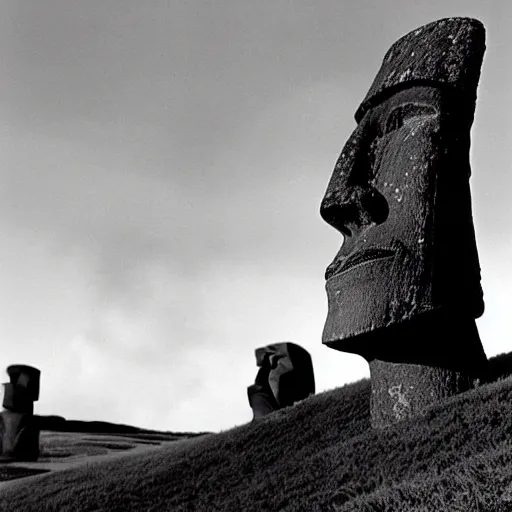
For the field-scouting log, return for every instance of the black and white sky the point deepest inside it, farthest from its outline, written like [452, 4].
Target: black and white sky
[163, 164]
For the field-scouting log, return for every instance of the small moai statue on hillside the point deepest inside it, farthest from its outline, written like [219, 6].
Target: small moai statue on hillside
[404, 289]
[285, 377]
[19, 431]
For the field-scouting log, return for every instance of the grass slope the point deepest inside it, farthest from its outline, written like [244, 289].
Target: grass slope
[319, 455]
[57, 445]
[60, 424]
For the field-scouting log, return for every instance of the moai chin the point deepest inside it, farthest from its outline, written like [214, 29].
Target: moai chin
[285, 377]
[18, 427]
[404, 289]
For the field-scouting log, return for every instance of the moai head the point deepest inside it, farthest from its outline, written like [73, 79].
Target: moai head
[400, 195]
[285, 377]
[25, 379]
[19, 430]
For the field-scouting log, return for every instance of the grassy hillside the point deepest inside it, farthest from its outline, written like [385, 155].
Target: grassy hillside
[319, 455]
[60, 424]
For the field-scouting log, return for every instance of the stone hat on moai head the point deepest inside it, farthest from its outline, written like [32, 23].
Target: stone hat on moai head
[447, 52]
[290, 371]
[25, 378]
[400, 196]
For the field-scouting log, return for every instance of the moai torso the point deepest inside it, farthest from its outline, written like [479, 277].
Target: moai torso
[404, 288]
[285, 377]
[18, 426]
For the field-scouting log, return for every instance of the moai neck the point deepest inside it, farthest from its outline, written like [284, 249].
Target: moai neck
[427, 363]
[407, 274]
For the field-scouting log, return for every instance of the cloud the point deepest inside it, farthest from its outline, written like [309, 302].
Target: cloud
[160, 191]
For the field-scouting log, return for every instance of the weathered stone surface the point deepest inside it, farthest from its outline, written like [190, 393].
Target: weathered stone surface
[19, 431]
[19, 434]
[401, 391]
[447, 52]
[400, 196]
[285, 377]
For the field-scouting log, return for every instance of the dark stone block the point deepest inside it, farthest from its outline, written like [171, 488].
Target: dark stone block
[19, 436]
[26, 377]
[291, 376]
[17, 399]
[285, 376]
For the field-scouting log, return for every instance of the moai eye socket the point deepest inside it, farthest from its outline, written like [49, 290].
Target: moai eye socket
[400, 115]
[394, 121]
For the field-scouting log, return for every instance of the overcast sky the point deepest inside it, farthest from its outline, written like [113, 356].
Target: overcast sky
[162, 169]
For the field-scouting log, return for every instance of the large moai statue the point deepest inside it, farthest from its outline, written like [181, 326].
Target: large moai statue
[19, 431]
[285, 377]
[404, 289]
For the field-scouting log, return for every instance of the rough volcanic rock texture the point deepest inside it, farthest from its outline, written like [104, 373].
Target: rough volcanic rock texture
[446, 52]
[402, 391]
[400, 194]
[285, 377]
[405, 286]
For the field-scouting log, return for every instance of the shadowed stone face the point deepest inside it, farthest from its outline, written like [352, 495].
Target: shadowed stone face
[285, 377]
[400, 194]
[26, 378]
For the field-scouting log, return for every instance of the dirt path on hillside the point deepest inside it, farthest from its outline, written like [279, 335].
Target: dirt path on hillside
[78, 460]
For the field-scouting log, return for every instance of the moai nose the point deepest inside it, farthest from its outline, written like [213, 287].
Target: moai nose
[351, 202]
[362, 208]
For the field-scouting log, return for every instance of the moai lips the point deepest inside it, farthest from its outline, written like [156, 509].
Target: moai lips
[400, 196]
[285, 377]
